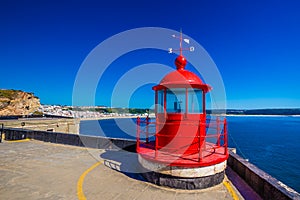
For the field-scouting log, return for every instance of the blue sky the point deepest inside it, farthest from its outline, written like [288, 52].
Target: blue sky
[255, 45]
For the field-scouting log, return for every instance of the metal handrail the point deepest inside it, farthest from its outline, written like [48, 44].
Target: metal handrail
[220, 135]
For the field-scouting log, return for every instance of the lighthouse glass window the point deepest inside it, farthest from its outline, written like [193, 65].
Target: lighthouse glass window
[175, 100]
[195, 101]
[160, 103]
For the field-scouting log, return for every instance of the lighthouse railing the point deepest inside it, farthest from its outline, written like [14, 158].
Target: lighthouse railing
[217, 129]
[145, 131]
[138, 122]
[211, 135]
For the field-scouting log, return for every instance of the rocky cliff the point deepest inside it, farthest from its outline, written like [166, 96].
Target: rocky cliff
[16, 102]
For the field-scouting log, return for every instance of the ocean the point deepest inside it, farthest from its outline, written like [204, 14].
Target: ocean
[270, 143]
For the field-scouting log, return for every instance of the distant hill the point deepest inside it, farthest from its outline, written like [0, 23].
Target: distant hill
[17, 102]
[267, 111]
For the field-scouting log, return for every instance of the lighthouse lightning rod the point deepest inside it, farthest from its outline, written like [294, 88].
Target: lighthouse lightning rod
[180, 42]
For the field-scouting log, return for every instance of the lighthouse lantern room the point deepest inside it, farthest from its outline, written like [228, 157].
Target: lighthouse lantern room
[184, 148]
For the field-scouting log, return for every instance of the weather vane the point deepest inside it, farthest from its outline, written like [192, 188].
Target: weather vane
[186, 40]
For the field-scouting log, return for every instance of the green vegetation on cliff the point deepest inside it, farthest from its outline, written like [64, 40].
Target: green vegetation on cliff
[10, 94]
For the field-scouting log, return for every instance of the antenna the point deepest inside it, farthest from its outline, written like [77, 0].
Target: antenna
[186, 40]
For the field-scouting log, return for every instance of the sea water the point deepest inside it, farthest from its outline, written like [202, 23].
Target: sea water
[270, 143]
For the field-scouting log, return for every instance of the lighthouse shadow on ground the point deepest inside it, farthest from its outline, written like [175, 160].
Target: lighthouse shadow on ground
[125, 162]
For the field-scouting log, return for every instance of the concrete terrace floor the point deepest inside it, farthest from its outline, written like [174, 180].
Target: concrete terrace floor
[37, 170]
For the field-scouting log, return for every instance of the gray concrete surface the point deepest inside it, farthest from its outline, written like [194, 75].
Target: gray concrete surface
[39, 170]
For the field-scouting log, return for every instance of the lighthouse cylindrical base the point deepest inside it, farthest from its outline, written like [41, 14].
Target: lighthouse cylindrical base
[190, 178]
[184, 183]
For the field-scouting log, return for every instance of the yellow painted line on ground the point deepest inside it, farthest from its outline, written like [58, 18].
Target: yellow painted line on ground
[13, 141]
[80, 193]
[231, 190]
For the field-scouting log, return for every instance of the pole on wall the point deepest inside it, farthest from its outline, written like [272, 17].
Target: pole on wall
[2, 129]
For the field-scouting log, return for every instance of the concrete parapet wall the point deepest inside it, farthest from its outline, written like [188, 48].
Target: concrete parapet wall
[70, 139]
[264, 184]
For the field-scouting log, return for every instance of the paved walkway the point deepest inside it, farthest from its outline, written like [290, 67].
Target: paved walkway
[37, 170]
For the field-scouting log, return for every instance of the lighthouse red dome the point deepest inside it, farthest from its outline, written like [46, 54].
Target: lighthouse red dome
[182, 78]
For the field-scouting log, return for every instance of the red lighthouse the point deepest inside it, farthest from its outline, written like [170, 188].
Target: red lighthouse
[188, 149]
